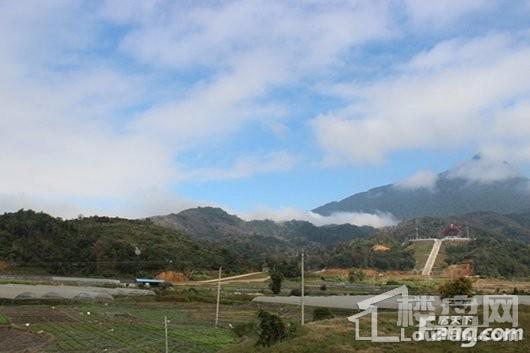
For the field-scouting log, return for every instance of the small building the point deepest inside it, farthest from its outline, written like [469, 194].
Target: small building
[452, 231]
[147, 282]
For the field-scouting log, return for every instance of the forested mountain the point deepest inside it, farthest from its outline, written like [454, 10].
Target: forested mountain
[214, 224]
[510, 227]
[500, 248]
[105, 246]
[477, 185]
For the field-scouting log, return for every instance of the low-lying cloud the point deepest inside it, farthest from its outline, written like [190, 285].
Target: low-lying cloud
[423, 179]
[377, 220]
[484, 170]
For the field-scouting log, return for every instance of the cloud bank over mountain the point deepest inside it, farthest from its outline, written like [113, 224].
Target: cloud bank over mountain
[376, 220]
[423, 179]
[480, 184]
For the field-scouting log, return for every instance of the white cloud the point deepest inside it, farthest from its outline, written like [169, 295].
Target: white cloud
[436, 14]
[91, 115]
[356, 218]
[484, 170]
[423, 179]
[252, 47]
[247, 166]
[99, 102]
[219, 35]
[69, 140]
[513, 120]
[145, 202]
[433, 102]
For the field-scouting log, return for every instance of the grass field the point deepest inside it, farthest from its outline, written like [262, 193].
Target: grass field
[421, 250]
[337, 336]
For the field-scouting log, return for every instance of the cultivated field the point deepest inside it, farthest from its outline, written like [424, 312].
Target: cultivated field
[119, 327]
[128, 324]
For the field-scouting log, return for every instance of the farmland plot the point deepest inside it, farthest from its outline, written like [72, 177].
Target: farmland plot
[123, 327]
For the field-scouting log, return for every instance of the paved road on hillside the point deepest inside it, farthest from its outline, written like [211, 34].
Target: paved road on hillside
[427, 270]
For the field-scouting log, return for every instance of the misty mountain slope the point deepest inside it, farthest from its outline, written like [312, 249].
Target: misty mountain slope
[477, 185]
[214, 224]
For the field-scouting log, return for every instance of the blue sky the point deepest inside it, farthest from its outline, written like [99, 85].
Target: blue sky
[265, 108]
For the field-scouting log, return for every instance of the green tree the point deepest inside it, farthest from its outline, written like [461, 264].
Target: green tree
[322, 314]
[459, 286]
[271, 329]
[356, 275]
[276, 282]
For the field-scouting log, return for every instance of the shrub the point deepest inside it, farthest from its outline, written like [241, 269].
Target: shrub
[271, 329]
[322, 314]
[459, 286]
[276, 282]
[296, 292]
[392, 282]
[245, 329]
[356, 275]
[323, 287]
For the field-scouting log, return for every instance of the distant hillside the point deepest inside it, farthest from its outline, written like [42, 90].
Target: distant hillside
[501, 247]
[478, 185]
[216, 225]
[103, 246]
[511, 227]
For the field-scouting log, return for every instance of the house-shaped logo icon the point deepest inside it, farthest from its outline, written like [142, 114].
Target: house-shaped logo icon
[368, 307]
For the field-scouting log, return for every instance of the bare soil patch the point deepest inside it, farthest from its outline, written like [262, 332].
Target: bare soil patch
[458, 270]
[491, 285]
[14, 340]
[172, 276]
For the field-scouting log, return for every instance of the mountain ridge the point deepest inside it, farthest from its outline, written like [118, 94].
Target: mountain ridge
[215, 224]
[477, 185]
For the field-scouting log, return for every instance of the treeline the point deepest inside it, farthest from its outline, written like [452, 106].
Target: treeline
[104, 246]
[493, 257]
[361, 254]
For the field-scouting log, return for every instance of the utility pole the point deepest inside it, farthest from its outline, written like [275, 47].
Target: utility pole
[165, 328]
[467, 231]
[417, 232]
[218, 297]
[302, 292]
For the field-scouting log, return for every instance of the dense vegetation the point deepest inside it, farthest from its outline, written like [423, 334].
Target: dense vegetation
[456, 287]
[360, 254]
[104, 246]
[493, 257]
[214, 224]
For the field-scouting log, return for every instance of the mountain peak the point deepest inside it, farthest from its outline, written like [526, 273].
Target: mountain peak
[479, 184]
[484, 170]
